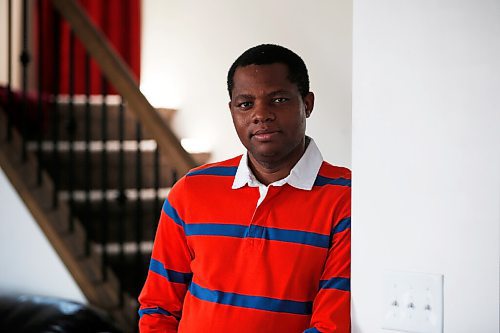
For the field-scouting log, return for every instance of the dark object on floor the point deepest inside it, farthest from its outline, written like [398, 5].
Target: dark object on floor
[40, 314]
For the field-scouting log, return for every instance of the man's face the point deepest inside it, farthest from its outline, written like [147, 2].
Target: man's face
[269, 113]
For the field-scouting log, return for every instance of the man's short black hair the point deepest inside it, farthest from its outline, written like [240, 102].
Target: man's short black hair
[266, 54]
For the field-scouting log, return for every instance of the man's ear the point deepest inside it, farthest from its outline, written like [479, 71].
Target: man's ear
[308, 103]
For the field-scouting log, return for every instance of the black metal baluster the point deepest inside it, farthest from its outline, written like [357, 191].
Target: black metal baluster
[25, 60]
[138, 209]
[10, 117]
[174, 177]
[157, 184]
[40, 123]
[55, 111]
[122, 197]
[70, 128]
[88, 166]
[104, 179]
[156, 205]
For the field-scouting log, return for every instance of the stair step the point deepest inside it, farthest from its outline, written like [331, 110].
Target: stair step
[76, 128]
[110, 195]
[128, 248]
[95, 146]
[121, 219]
[80, 171]
[132, 268]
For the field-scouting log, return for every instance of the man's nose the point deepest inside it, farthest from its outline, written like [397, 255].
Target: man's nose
[262, 114]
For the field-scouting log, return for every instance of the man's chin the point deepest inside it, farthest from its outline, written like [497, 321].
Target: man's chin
[266, 157]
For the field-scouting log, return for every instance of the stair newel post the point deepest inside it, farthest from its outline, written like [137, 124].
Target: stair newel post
[138, 209]
[55, 110]
[9, 71]
[122, 197]
[25, 60]
[40, 119]
[70, 128]
[88, 174]
[104, 178]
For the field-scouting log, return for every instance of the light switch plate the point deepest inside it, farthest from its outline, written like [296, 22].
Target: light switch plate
[412, 302]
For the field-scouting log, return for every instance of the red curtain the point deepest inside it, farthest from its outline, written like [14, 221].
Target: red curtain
[120, 22]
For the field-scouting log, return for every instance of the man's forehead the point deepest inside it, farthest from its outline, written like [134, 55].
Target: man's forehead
[273, 77]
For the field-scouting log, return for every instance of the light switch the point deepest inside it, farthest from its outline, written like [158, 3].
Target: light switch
[412, 302]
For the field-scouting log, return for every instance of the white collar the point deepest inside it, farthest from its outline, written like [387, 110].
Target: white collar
[302, 175]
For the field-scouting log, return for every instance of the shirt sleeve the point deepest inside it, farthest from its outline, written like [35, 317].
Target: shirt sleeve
[331, 306]
[169, 274]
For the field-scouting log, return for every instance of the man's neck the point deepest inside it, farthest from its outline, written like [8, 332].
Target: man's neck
[268, 172]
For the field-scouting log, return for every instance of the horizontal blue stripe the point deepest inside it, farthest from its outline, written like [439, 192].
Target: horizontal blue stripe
[172, 213]
[251, 302]
[336, 283]
[215, 229]
[156, 310]
[312, 330]
[215, 171]
[343, 225]
[172, 276]
[291, 236]
[255, 231]
[321, 181]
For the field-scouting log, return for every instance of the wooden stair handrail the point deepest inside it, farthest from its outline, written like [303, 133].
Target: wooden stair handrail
[118, 73]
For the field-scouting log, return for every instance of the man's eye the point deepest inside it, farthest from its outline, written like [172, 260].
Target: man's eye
[280, 100]
[244, 105]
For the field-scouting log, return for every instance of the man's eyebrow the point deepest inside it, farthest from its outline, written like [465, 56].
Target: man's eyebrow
[278, 92]
[244, 96]
[271, 94]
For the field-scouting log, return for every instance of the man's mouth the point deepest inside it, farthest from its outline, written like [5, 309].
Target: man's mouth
[264, 134]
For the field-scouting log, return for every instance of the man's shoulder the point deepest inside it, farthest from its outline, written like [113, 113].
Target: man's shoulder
[332, 174]
[330, 170]
[222, 168]
[206, 176]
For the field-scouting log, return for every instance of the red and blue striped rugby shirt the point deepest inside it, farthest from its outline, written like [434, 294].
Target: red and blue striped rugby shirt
[221, 264]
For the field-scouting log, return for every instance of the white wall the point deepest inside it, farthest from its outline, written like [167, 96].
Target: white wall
[29, 262]
[188, 46]
[426, 154]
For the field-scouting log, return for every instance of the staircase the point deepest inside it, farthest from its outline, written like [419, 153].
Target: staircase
[119, 208]
[94, 171]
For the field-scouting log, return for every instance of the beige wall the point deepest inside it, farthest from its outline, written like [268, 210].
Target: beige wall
[16, 45]
[16, 42]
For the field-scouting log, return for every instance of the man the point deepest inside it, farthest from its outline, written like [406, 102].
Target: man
[261, 242]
